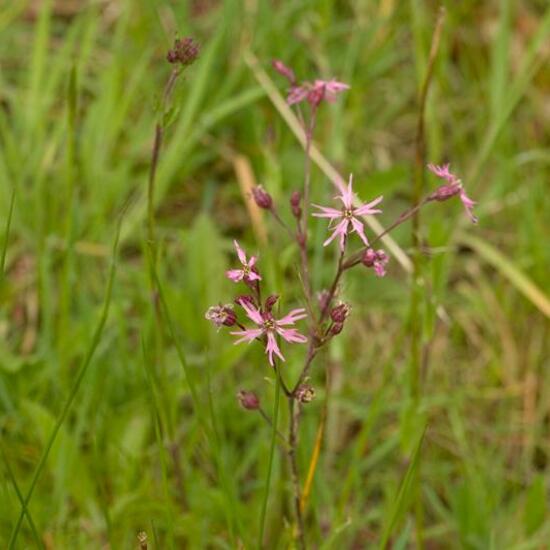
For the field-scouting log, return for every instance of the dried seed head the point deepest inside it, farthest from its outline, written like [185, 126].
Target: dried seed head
[262, 198]
[185, 51]
[248, 400]
[221, 315]
[305, 393]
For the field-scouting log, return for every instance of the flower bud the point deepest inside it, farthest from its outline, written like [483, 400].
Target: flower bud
[444, 192]
[271, 301]
[283, 70]
[340, 313]
[305, 393]
[369, 257]
[246, 298]
[336, 328]
[248, 400]
[295, 201]
[262, 198]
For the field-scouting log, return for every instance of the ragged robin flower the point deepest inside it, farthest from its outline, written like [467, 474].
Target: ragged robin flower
[451, 188]
[248, 272]
[347, 215]
[268, 326]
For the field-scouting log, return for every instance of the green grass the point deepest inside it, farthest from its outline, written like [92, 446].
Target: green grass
[135, 438]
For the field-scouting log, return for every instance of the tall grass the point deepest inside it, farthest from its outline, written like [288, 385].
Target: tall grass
[98, 447]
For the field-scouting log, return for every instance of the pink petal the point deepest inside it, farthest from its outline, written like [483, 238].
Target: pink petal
[240, 253]
[292, 335]
[292, 317]
[272, 348]
[468, 205]
[367, 208]
[341, 229]
[252, 313]
[347, 194]
[379, 269]
[235, 275]
[359, 229]
[297, 94]
[326, 212]
[253, 276]
[247, 335]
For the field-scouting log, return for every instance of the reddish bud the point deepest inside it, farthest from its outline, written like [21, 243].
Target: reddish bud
[262, 198]
[248, 400]
[444, 192]
[295, 201]
[285, 71]
[340, 313]
[336, 328]
[246, 298]
[270, 302]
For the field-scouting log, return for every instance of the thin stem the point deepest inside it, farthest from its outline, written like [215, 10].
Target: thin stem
[294, 419]
[265, 416]
[7, 234]
[271, 456]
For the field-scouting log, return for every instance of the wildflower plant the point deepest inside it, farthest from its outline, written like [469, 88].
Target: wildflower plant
[313, 323]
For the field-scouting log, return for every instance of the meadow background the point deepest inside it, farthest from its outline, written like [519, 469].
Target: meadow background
[79, 85]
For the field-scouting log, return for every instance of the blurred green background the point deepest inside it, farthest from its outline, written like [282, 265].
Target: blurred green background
[79, 87]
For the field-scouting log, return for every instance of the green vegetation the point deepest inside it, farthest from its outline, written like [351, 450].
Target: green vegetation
[117, 405]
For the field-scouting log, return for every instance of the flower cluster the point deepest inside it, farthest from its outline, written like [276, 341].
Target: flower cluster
[267, 329]
[312, 92]
[451, 188]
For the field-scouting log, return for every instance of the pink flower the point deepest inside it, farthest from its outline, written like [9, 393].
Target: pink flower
[248, 273]
[377, 259]
[316, 92]
[347, 216]
[270, 327]
[451, 188]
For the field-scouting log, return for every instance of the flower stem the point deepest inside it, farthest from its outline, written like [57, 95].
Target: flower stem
[271, 456]
[294, 419]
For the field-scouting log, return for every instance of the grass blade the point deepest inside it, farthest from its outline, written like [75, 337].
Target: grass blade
[404, 490]
[507, 268]
[7, 234]
[76, 386]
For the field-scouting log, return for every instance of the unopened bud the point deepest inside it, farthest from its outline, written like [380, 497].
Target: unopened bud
[336, 328]
[248, 400]
[246, 298]
[369, 257]
[305, 393]
[262, 198]
[444, 192]
[271, 301]
[295, 201]
[283, 70]
[340, 313]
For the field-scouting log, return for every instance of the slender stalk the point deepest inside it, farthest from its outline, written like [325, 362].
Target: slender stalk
[294, 419]
[271, 457]
[76, 386]
[7, 235]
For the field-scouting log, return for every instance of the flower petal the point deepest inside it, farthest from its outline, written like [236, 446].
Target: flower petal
[341, 229]
[235, 275]
[292, 335]
[273, 348]
[292, 317]
[326, 212]
[359, 229]
[368, 208]
[247, 335]
[251, 311]
[240, 253]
